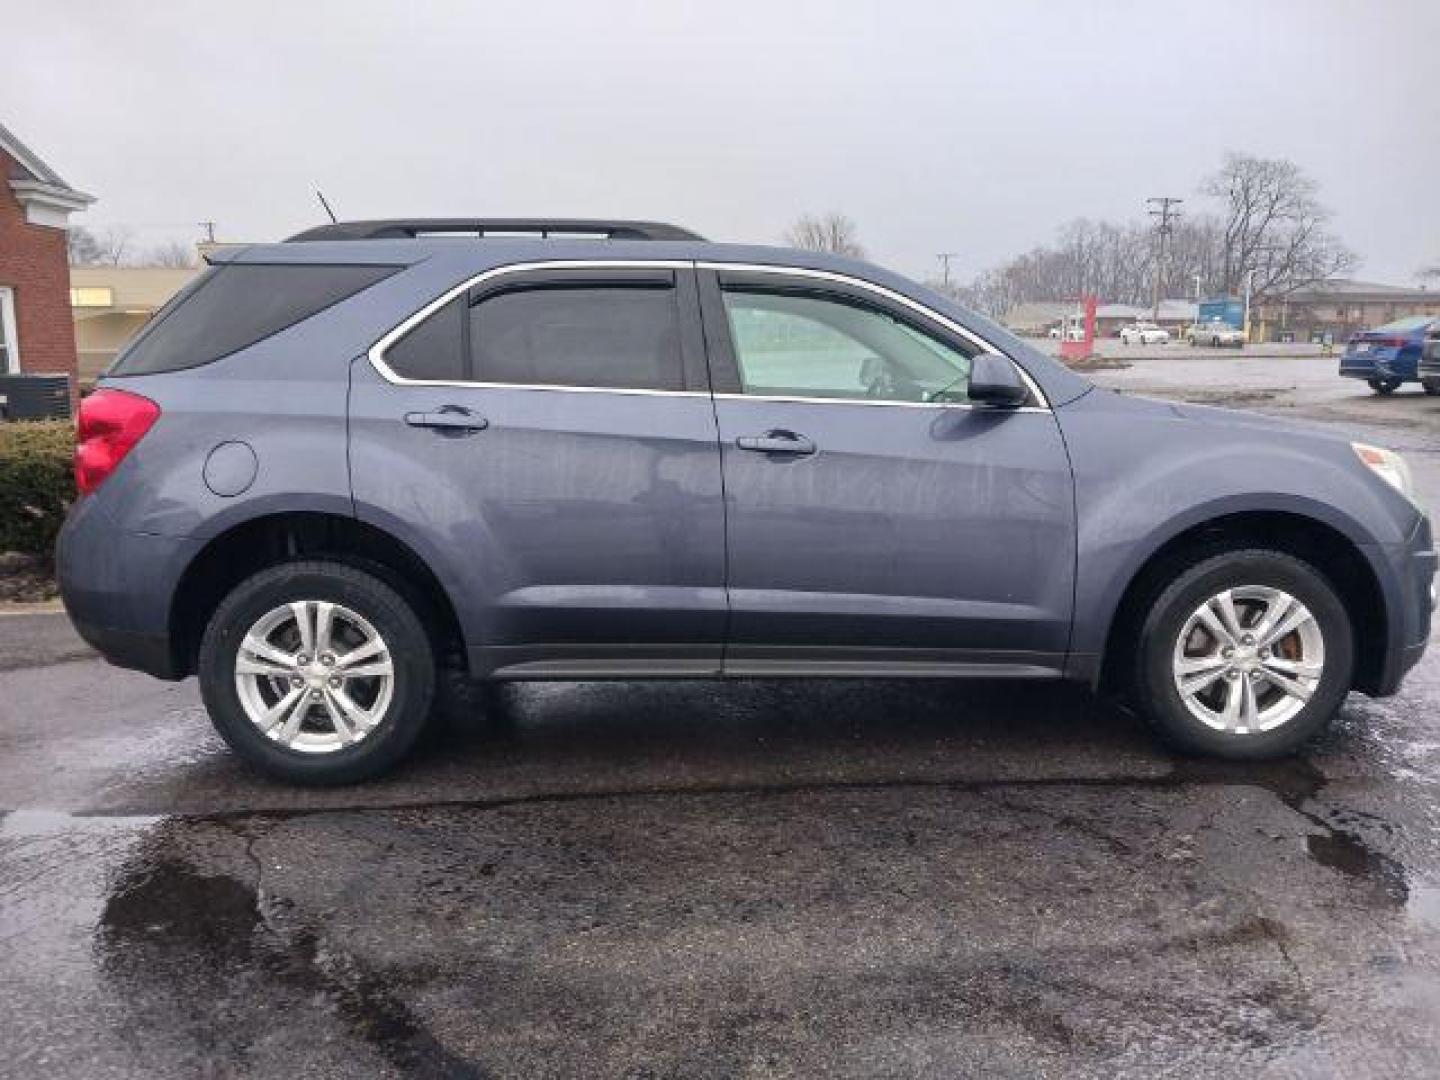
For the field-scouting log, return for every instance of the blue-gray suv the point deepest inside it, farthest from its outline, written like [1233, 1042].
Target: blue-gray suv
[334, 470]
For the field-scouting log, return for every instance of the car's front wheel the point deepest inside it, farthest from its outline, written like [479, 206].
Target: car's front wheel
[317, 672]
[1245, 655]
[1384, 386]
[1432, 386]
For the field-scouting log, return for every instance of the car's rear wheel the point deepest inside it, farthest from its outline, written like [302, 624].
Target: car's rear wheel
[1245, 655]
[317, 672]
[1384, 386]
[1432, 386]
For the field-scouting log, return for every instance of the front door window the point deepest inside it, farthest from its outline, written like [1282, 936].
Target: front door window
[790, 344]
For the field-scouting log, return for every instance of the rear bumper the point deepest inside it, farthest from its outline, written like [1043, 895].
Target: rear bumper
[118, 587]
[1377, 365]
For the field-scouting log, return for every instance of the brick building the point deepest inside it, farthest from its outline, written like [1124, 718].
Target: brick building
[37, 333]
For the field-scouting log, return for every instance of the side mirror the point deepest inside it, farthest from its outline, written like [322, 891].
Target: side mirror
[994, 383]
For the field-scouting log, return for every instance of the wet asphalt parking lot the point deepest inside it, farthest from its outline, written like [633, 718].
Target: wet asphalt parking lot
[754, 879]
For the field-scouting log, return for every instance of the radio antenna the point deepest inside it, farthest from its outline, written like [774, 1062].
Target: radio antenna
[321, 196]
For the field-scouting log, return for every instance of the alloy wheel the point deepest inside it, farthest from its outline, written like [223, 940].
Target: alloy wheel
[314, 676]
[1248, 659]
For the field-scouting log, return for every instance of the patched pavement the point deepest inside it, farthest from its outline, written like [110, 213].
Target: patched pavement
[749, 879]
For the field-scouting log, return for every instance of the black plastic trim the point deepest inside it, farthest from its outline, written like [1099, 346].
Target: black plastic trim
[419, 228]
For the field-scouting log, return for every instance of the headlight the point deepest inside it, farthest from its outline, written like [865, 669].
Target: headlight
[1389, 466]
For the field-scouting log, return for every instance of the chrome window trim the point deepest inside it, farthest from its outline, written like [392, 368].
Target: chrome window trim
[800, 400]
[376, 352]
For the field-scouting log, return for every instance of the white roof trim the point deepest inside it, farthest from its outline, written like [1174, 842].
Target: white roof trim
[47, 198]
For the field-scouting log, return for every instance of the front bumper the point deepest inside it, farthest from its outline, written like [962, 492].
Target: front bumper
[1411, 598]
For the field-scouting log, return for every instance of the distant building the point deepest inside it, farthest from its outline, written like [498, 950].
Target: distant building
[110, 303]
[1340, 307]
[36, 332]
[1036, 317]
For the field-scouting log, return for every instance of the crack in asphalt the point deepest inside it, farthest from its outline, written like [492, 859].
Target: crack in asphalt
[1295, 782]
[361, 998]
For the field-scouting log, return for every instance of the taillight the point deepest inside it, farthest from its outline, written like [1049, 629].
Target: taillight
[111, 422]
[1389, 342]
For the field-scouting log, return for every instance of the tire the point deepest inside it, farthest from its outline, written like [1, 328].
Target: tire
[1384, 386]
[307, 744]
[1432, 386]
[1169, 635]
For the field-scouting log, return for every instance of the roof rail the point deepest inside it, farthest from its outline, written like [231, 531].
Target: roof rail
[479, 228]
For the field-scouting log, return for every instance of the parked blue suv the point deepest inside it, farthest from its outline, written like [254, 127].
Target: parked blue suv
[334, 468]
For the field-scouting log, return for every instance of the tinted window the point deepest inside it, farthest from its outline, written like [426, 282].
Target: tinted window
[435, 349]
[804, 345]
[233, 306]
[608, 336]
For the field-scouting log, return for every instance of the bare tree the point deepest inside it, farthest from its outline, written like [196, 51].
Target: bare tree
[1274, 225]
[832, 232]
[172, 253]
[84, 247]
[114, 244]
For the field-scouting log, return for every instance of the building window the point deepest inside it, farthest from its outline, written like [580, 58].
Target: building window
[92, 296]
[9, 343]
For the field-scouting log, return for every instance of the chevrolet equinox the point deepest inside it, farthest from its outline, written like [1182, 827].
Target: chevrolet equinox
[333, 469]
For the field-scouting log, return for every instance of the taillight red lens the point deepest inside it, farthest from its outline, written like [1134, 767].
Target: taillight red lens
[1389, 342]
[111, 422]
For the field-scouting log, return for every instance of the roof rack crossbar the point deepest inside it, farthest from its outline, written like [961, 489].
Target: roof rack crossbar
[417, 228]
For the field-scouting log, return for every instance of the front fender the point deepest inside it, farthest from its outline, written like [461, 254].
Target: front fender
[1147, 472]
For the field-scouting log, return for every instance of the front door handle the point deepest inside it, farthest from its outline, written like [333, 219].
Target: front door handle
[449, 417]
[776, 442]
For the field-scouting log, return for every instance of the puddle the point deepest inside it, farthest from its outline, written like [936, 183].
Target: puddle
[185, 946]
[1423, 905]
[1297, 782]
[29, 823]
[1342, 851]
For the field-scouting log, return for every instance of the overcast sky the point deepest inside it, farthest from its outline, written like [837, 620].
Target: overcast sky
[974, 127]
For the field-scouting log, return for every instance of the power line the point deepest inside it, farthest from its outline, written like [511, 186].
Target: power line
[1163, 209]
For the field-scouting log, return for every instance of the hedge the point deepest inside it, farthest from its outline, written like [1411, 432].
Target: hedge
[36, 484]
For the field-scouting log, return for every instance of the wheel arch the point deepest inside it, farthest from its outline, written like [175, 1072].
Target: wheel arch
[1323, 544]
[289, 536]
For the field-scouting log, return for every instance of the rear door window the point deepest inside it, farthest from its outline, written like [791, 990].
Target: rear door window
[595, 336]
[231, 307]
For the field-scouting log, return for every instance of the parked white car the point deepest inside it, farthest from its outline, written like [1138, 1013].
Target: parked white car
[1216, 333]
[1144, 333]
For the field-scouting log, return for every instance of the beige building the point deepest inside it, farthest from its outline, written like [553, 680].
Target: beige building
[111, 303]
[1339, 307]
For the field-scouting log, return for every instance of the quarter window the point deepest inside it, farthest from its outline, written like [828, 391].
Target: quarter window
[796, 344]
[621, 337]
[231, 307]
[433, 350]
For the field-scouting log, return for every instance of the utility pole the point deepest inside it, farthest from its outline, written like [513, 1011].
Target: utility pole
[945, 257]
[1162, 209]
[209, 227]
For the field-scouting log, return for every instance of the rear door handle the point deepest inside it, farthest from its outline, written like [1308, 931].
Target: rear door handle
[450, 417]
[776, 442]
